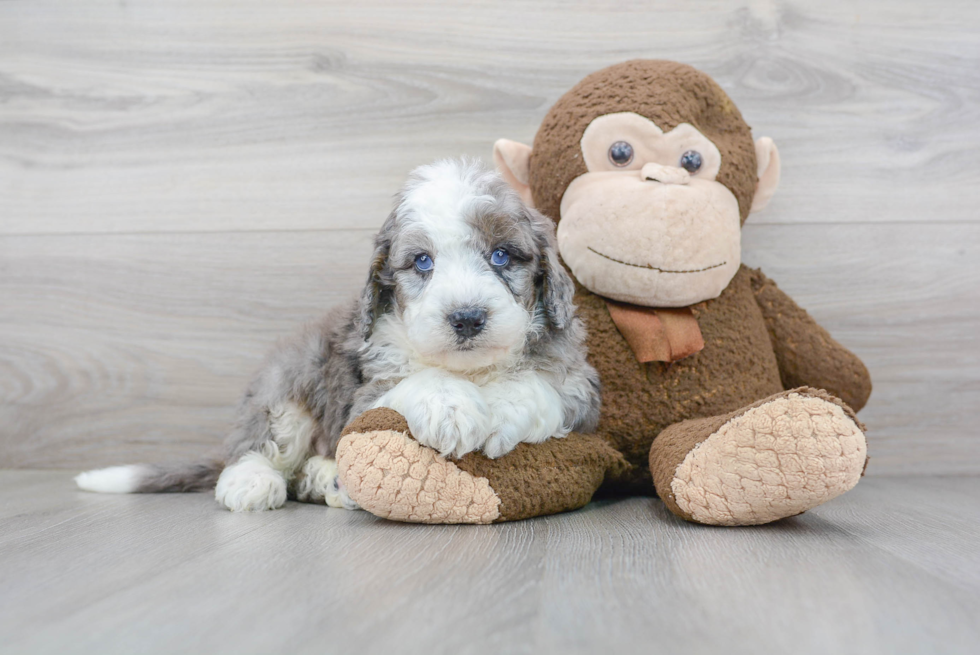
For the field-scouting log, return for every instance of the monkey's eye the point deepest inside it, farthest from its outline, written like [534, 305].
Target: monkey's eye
[620, 153]
[423, 263]
[691, 161]
[499, 257]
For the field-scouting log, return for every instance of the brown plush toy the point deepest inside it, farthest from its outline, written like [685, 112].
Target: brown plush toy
[718, 391]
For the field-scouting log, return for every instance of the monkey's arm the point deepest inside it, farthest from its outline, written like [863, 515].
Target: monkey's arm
[806, 353]
[391, 475]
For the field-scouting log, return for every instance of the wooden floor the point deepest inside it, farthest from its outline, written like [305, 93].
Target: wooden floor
[893, 567]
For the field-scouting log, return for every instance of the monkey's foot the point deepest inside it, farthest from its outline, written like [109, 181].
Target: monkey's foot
[393, 476]
[777, 458]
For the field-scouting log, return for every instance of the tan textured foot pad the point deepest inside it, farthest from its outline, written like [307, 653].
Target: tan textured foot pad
[392, 476]
[776, 460]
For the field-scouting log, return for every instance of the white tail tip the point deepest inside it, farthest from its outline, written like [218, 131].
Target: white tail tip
[112, 480]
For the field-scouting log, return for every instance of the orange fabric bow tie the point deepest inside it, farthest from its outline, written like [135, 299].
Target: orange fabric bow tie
[657, 335]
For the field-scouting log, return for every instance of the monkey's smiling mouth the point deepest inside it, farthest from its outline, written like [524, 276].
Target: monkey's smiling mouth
[654, 268]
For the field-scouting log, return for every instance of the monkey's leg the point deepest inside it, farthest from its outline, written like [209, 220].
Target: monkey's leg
[776, 458]
[391, 475]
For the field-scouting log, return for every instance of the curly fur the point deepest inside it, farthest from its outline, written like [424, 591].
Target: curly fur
[523, 377]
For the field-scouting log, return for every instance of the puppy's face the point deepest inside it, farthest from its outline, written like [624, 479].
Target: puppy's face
[462, 266]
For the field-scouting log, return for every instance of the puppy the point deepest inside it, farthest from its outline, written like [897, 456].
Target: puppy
[466, 327]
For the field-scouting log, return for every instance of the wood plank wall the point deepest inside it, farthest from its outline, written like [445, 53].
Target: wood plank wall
[183, 181]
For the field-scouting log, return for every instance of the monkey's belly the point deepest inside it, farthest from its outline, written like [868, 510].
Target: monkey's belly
[736, 367]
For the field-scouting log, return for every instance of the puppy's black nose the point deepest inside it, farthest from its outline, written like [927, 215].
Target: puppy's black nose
[468, 321]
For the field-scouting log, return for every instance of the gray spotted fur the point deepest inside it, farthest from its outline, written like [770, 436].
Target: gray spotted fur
[324, 367]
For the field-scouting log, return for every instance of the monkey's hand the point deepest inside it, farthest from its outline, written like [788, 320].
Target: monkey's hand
[444, 412]
[391, 475]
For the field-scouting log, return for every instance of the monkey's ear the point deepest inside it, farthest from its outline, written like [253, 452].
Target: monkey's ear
[373, 298]
[555, 287]
[767, 158]
[513, 160]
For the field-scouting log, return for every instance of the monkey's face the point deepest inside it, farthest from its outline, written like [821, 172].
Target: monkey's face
[648, 223]
[646, 216]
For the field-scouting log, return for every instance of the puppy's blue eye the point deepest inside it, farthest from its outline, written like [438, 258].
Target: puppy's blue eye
[499, 257]
[423, 262]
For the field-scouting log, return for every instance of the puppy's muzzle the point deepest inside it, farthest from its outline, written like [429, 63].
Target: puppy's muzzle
[468, 322]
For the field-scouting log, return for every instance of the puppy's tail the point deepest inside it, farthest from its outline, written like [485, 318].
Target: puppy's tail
[152, 478]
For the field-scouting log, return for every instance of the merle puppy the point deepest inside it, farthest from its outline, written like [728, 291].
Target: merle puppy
[466, 327]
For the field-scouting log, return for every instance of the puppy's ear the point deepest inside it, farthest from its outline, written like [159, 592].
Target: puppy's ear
[374, 297]
[555, 287]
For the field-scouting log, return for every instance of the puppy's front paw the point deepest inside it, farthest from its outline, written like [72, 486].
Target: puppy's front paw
[510, 427]
[524, 409]
[451, 423]
[443, 412]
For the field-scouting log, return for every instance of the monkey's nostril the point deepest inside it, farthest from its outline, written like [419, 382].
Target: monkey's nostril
[468, 322]
[664, 174]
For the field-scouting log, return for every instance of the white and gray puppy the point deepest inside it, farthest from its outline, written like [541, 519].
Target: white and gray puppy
[466, 327]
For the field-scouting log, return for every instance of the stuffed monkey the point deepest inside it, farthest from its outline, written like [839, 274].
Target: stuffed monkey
[719, 393]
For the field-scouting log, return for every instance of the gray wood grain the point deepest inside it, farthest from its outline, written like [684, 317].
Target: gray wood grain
[183, 182]
[187, 116]
[892, 567]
